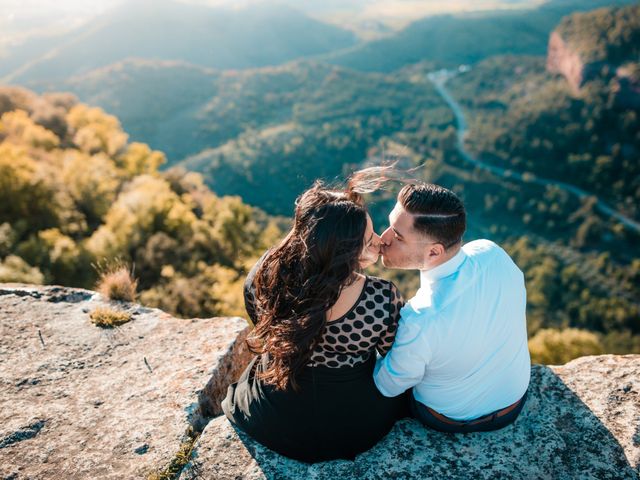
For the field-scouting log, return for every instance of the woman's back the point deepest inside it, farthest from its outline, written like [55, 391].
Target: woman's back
[337, 412]
[368, 325]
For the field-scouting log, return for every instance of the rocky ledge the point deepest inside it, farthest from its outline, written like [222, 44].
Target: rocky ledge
[581, 421]
[79, 401]
[84, 402]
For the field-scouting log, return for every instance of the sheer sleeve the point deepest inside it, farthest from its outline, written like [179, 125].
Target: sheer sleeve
[250, 291]
[395, 302]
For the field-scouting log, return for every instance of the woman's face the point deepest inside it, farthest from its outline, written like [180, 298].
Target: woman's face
[372, 242]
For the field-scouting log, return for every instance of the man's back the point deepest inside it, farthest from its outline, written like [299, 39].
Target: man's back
[462, 340]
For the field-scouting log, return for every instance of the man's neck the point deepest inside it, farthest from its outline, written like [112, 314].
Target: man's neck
[450, 263]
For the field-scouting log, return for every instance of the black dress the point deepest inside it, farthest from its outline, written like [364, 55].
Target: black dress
[338, 412]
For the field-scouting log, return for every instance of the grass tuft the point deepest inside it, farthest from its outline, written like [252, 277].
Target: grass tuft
[108, 317]
[117, 283]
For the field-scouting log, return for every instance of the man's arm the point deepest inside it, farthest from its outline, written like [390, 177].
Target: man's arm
[404, 365]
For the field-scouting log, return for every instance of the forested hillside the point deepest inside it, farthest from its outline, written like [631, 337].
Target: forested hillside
[620, 42]
[305, 121]
[525, 118]
[76, 196]
[265, 134]
[582, 267]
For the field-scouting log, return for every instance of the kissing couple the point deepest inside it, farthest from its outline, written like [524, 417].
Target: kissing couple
[339, 356]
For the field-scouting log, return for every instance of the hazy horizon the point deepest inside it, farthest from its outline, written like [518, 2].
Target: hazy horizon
[21, 19]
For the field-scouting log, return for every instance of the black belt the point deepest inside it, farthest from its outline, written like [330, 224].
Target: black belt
[483, 419]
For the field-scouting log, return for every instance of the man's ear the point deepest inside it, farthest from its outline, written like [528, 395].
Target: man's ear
[435, 250]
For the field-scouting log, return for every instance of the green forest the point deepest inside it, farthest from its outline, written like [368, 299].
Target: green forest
[610, 35]
[524, 118]
[76, 195]
[306, 121]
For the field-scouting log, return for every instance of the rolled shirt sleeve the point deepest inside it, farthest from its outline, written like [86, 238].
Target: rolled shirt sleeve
[404, 365]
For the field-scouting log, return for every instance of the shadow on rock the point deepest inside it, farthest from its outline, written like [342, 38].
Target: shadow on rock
[557, 435]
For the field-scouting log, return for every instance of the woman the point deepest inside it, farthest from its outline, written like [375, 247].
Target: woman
[309, 392]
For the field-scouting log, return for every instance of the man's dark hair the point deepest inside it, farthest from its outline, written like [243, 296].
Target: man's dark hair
[437, 212]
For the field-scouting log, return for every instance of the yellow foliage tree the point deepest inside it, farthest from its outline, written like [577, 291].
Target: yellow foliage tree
[233, 225]
[147, 205]
[139, 159]
[226, 289]
[213, 290]
[16, 127]
[555, 347]
[92, 181]
[65, 255]
[25, 198]
[15, 269]
[83, 196]
[95, 131]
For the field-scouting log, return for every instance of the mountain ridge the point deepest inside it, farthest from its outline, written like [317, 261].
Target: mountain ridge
[219, 38]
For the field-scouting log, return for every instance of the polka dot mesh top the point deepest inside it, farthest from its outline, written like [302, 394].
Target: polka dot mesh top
[369, 325]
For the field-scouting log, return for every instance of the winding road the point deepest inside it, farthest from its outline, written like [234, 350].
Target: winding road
[439, 79]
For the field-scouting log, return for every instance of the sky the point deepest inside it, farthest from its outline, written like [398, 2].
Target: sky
[21, 18]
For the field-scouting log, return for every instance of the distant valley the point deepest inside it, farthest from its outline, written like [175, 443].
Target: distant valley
[550, 92]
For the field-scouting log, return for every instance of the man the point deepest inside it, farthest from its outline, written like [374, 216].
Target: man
[461, 343]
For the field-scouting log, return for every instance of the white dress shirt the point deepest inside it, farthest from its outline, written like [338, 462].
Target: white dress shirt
[462, 340]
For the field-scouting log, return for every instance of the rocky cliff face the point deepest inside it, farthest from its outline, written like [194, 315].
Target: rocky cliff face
[83, 402]
[561, 59]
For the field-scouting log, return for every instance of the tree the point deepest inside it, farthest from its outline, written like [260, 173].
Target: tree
[93, 182]
[16, 127]
[25, 197]
[555, 347]
[94, 131]
[139, 159]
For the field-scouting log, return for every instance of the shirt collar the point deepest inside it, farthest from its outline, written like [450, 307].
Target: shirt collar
[443, 270]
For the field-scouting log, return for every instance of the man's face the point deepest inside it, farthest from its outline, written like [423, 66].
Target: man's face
[403, 247]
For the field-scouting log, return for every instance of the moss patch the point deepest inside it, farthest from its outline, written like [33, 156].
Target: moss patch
[181, 458]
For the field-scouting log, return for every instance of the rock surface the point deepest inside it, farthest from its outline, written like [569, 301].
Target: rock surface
[562, 60]
[79, 401]
[581, 421]
[567, 62]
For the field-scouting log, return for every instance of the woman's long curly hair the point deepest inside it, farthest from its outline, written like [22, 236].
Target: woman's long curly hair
[301, 279]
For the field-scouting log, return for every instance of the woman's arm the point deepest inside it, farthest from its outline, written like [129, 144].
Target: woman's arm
[395, 302]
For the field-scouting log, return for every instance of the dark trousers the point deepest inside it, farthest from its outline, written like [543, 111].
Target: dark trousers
[337, 412]
[489, 422]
